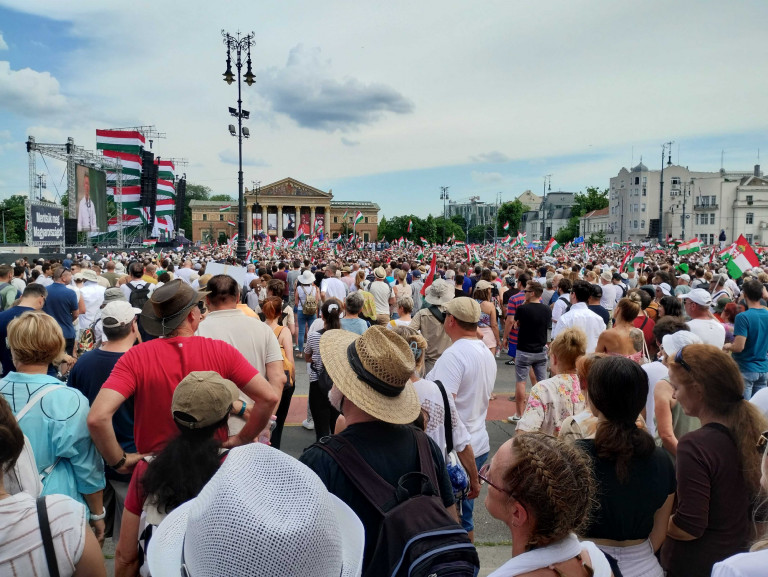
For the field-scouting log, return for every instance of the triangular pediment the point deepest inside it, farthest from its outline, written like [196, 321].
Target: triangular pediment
[292, 187]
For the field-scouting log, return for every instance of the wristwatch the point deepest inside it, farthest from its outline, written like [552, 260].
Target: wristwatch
[99, 517]
[120, 463]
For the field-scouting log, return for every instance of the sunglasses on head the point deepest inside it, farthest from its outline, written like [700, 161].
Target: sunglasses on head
[681, 361]
[762, 442]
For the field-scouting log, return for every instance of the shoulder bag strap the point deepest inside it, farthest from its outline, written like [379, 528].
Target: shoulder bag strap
[375, 489]
[36, 397]
[45, 530]
[425, 457]
[447, 420]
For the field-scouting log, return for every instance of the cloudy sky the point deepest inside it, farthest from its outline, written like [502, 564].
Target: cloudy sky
[389, 101]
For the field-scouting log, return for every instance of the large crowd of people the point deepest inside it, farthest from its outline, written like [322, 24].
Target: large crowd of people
[143, 398]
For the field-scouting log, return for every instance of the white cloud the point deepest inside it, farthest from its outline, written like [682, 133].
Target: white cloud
[347, 142]
[231, 157]
[494, 157]
[3, 44]
[28, 92]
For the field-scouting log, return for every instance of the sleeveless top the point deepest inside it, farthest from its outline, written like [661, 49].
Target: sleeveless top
[485, 318]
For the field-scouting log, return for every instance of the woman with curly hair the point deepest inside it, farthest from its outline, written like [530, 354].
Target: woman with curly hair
[635, 479]
[718, 468]
[543, 490]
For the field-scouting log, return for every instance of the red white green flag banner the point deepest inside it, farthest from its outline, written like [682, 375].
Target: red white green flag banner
[231, 223]
[551, 247]
[165, 189]
[165, 170]
[506, 226]
[165, 206]
[225, 208]
[129, 141]
[410, 226]
[358, 217]
[131, 164]
[688, 247]
[742, 258]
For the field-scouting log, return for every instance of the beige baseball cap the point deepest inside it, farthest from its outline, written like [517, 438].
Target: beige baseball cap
[202, 398]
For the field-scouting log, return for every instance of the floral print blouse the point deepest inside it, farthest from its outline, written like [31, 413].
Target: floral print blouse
[551, 402]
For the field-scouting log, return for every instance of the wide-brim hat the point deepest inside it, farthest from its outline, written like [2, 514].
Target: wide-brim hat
[272, 502]
[307, 277]
[373, 370]
[167, 307]
[440, 292]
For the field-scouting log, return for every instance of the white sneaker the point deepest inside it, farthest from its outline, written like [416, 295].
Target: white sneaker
[513, 419]
[310, 425]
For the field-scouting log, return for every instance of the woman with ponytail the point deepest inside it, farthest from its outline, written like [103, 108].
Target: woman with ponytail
[718, 466]
[636, 480]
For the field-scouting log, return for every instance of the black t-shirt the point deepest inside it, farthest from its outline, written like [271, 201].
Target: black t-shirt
[626, 509]
[391, 451]
[89, 373]
[602, 311]
[534, 319]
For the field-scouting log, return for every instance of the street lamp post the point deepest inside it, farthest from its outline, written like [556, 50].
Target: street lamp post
[661, 187]
[239, 45]
[444, 198]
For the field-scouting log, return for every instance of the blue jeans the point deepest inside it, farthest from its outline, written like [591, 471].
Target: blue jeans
[304, 321]
[468, 505]
[753, 382]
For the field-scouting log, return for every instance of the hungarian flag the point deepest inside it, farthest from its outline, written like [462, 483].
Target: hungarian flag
[424, 241]
[469, 255]
[420, 254]
[639, 257]
[358, 217]
[586, 251]
[506, 239]
[344, 218]
[430, 275]
[506, 226]
[315, 242]
[712, 255]
[150, 242]
[165, 189]
[165, 206]
[129, 141]
[131, 164]
[231, 223]
[410, 226]
[165, 170]
[625, 260]
[551, 247]
[693, 245]
[742, 258]
[225, 208]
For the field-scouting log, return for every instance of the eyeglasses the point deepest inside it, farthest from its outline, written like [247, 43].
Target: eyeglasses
[483, 474]
[202, 307]
[527, 291]
[762, 442]
[681, 361]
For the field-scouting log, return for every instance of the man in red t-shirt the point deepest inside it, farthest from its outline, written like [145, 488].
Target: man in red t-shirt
[151, 371]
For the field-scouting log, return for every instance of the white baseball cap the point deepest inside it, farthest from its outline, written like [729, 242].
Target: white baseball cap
[676, 341]
[262, 513]
[699, 296]
[118, 313]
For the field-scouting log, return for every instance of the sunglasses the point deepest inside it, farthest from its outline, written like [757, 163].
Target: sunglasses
[762, 442]
[202, 307]
[681, 361]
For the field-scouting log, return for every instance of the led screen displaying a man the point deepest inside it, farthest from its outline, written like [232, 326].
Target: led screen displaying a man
[86, 210]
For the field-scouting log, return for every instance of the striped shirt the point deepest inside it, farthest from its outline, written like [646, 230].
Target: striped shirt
[514, 302]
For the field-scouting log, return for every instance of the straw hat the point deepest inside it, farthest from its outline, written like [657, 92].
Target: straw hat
[373, 370]
[249, 518]
[167, 307]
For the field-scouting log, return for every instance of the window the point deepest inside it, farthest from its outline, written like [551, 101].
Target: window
[711, 239]
[366, 237]
[637, 180]
[366, 220]
[645, 180]
[205, 216]
[642, 224]
[749, 238]
[635, 226]
[711, 218]
[714, 200]
[749, 199]
[645, 191]
[697, 218]
[675, 181]
[750, 217]
[221, 217]
[335, 219]
[643, 206]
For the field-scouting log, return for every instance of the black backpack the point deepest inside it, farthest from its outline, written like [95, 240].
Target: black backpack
[567, 303]
[418, 537]
[139, 295]
[324, 380]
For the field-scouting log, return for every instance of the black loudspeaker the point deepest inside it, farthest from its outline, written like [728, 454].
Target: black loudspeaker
[653, 228]
[70, 231]
[181, 198]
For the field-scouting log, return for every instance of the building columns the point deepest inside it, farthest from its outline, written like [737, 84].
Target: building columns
[297, 221]
[280, 220]
[249, 221]
[264, 225]
[312, 220]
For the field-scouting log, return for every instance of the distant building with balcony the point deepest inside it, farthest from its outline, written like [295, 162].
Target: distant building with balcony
[475, 212]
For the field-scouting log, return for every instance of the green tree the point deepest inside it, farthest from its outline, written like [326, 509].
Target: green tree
[597, 237]
[451, 228]
[512, 212]
[194, 192]
[568, 232]
[481, 233]
[592, 199]
[460, 220]
[221, 197]
[14, 219]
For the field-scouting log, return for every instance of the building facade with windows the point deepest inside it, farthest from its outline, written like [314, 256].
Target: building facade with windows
[695, 204]
[593, 222]
[543, 221]
[285, 208]
[475, 212]
[367, 229]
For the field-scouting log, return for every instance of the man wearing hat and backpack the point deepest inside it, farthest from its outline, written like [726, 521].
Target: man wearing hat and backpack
[429, 321]
[150, 372]
[378, 451]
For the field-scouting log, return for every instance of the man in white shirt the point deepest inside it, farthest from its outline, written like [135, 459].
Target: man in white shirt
[580, 315]
[86, 210]
[185, 272]
[608, 300]
[563, 300]
[383, 295]
[92, 294]
[332, 286]
[467, 370]
[697, 305]
[253, 338]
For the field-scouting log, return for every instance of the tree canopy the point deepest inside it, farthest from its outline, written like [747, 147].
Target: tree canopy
[512, 212]
[194, 192]
[592, 199]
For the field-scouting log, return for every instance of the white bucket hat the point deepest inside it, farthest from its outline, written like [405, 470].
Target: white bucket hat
[262, 513]
[307, 277]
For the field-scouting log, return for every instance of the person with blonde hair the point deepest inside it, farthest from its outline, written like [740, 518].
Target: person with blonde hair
[55, 415]
[718, 468]
[543, 490]
[404, 310]
[618, 340]
[488, 327]
[582, 425]
[553, 400]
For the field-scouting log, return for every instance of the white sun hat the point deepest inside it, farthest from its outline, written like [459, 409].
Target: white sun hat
[262, 513]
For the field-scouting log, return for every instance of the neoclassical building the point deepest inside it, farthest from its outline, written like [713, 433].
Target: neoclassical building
[284, 209]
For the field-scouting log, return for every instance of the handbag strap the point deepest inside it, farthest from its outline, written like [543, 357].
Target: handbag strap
[36, 397]
[447, 419]
[45, 530]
